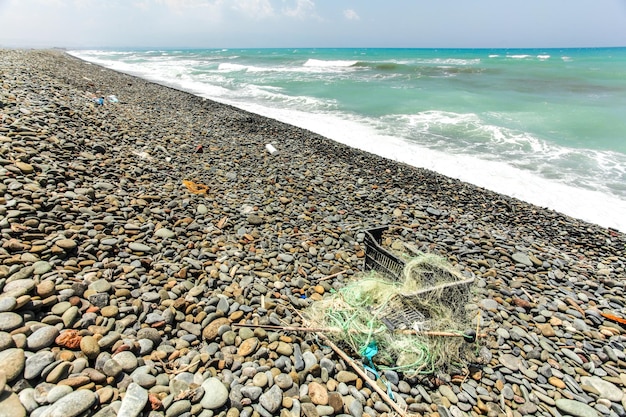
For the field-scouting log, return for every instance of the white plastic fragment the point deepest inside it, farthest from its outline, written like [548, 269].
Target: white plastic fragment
[271, 149]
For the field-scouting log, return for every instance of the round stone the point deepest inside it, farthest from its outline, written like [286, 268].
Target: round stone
[66, 244]
[45, 289]
[215, 394]
[25, 167]
[151, 334]
[165, 233]
[112, 368]
[58, 392]
[13, 361]
[89, 346]
[109, 311]
[248, 347]
[272, 399]
[41, 267]
[7, 304]
[606, 389]
[575, 408]
[127, 360]
[10, 405]
[145, 380]
[210, 332]
[510, 361]
[42, 338]
[139, 247]
[318, 393]
[19, 286]
[72, 404]
[284, 381]
[37, 363]
[10, 321]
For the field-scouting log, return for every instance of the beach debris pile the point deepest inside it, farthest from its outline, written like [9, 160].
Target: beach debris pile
[414, 325]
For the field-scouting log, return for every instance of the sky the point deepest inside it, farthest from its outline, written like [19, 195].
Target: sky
[312, 23]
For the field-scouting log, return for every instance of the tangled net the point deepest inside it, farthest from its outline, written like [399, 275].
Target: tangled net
[375, 313]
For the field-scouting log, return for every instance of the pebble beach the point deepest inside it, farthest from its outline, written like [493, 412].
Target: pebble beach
[122, 289]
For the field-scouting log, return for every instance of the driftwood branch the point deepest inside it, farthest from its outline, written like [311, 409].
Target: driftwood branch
[338, 330]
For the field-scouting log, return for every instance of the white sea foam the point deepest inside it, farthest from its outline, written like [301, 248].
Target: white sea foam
[520, 56]
[225, 66]
[449, 61]
[328, 64]
[543, 57]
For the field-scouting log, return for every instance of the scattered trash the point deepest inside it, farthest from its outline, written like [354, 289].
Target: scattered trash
[112, 99]
[271, 149]
[199, 149]
[99, 101]
[195, 188]
[406, 316]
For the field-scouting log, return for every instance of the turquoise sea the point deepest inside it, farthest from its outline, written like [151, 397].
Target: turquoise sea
[547, 126]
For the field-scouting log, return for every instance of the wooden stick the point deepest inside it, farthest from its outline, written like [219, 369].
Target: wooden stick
[363, 375]
[333, 275]
[338, 330]
[528, 295]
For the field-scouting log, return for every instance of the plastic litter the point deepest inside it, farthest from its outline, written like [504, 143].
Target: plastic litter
[195, 188]
[112, 99]
[271, 149]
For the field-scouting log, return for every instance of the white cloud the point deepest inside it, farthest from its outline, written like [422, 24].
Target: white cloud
[257, 9]
[301, 10]
[351, 14]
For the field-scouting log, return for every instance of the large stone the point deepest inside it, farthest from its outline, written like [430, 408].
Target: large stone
[42, 338]
[10, 405]
[13, 361]
[165, 233]
[139, 247]
[605, 388]
[215, 394]
[210, 332]
[134, 401]
[89, 346]
[575, 408]
[36, 363]
[10, 321]
[248, 347]
[522, 258]
[272, 399]
[318, 393]
[127, 360]
[71, 405]
[510, 361]
[346, 376]
[66, 244]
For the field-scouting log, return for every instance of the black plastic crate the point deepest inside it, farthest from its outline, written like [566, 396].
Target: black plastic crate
[379, 259]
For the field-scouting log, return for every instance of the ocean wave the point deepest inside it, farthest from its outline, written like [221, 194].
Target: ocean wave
[469, 134]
